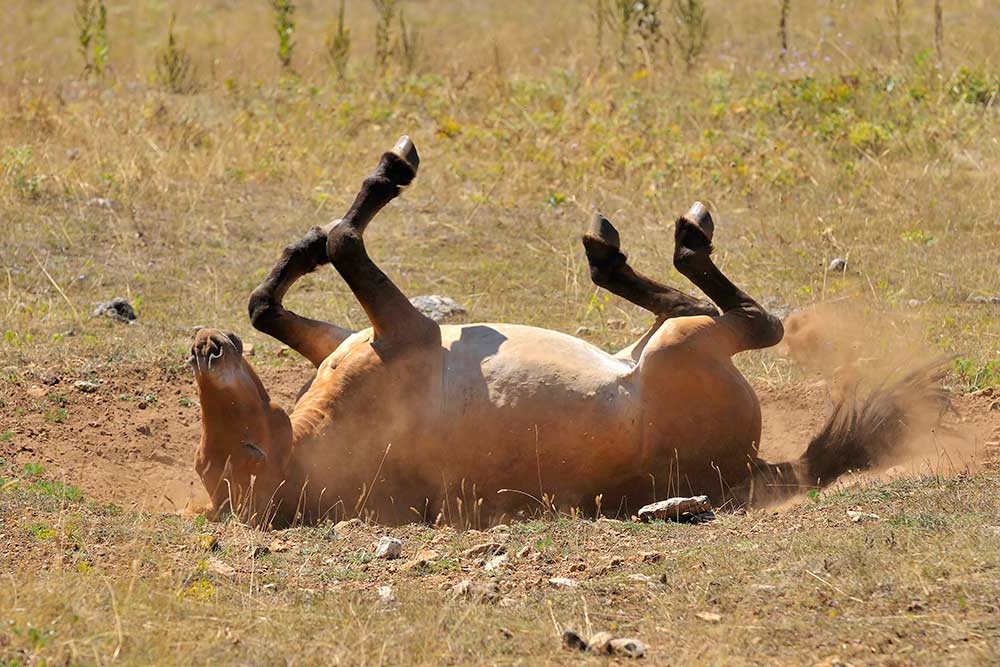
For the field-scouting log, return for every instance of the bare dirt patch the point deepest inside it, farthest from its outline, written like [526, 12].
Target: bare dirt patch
[130, 438]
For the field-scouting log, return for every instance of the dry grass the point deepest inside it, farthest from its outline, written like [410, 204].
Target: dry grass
[915, 586]
[180, 203]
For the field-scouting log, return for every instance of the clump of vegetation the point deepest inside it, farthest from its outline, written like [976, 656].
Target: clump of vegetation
[401, 42]
[283, 12]
[92, 35]
[636, 27]
[691, 29]
[19, 173]
[174, 70]
[338, 44]
[385, 15]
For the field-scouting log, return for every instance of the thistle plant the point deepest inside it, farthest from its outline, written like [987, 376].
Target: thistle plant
[692, 29]
[174, 71]
[92, 35]
[338, 44]
[386, 12]
[284, 10]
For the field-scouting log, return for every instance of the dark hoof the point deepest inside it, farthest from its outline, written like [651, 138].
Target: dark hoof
[601, 228]
[694, 229]
[405, 149]
[601, 243]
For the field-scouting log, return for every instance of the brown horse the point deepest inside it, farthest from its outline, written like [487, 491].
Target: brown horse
[409, 420]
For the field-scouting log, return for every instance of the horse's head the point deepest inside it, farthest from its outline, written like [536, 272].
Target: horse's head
[246, 440]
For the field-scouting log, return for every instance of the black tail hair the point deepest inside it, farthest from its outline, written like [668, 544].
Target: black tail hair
[861, 432]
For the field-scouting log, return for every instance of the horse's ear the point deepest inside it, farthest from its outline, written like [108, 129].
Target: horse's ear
[236, 341]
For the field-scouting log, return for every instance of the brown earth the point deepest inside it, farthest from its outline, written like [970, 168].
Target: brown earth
[132, 440]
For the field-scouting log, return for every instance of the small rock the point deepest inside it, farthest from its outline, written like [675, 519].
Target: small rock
[838, 264]
[914, 303]
[278, 546]
[438, 308]
[861, 517]
[651, 556]
[476, 592]
[709, 616]
[484, 549]
[248, 349]
[386, 595]
[676, 509]
[36, 391]
[641, 577]
[584, 331]
[49, 380]
[495, 563]
[600, 643]
[613, 564]
[615, 325]
[102, 202]
[144, 429]
[72, 154]
[348, 524]
[984, 299]
[563, 582]
[389, 548]
[117, 309]
[216, 566]
[282, 351]
[628, 648]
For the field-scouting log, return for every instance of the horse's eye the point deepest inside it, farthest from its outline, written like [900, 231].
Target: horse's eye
[254, 451]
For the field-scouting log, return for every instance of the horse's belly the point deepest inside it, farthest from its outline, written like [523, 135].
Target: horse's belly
[534, 410]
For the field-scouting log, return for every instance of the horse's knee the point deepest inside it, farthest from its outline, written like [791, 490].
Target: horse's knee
[763, 328]
[264, 310]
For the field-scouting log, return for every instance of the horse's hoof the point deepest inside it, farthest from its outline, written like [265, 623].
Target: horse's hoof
[699, 216]
[601, 242]
[405, 149]
[602, 229]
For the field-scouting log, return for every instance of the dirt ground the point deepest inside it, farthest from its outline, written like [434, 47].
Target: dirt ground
[131, 441]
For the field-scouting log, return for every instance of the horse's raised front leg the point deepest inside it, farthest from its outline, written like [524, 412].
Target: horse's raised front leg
[752, 327]
[394, 319]
[609, 269]
[312, 339]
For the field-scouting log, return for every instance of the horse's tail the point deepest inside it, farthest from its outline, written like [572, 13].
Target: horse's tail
[861, 432]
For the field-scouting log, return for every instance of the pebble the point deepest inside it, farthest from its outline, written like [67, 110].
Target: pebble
[476, 592]
[216, 566]
[838, 264]
[604, 643]
[389, 548]
[484, 549]
[984, 299]
[709, 616]
[117, 309]
[563, 582]
[386, 595]
[495, 563]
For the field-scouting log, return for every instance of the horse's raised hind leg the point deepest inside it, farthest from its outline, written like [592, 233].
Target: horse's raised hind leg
[609, 269]
[393, 317]
[754, 327]
[312, 339]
